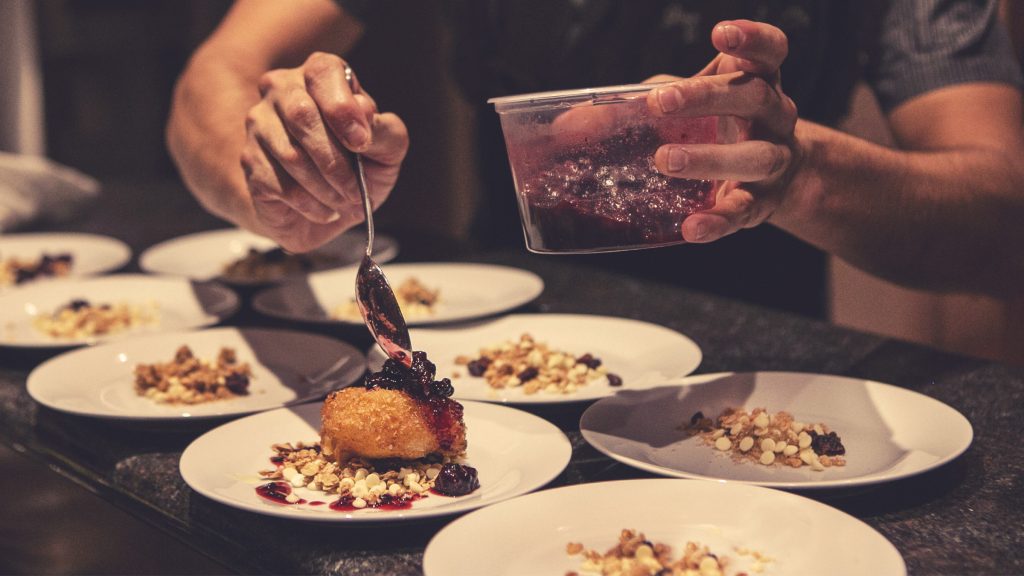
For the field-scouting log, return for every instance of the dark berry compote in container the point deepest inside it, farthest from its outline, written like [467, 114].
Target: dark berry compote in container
[583, 164]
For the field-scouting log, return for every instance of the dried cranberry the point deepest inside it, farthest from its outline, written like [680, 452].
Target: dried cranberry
[827, 444]
[456, 480]
[479, 366]
[528, 374]
[614, 380]
[77, 304]
[22, 275]
[589, 361]
[237, 383]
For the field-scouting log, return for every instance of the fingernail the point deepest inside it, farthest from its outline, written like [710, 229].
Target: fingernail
[334, 217]
[733, 36]
[677, 158]
[355, 134]
[669, 99]
[700, 232]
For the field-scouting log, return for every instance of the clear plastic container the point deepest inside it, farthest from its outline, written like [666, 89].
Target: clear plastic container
[583, 165]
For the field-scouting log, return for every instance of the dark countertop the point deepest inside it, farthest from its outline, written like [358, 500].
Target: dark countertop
[965, 517]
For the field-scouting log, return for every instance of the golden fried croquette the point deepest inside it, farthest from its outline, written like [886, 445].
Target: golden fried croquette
[380, 423]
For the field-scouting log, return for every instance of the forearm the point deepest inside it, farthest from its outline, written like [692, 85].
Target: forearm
[943, 220]
[205, 133]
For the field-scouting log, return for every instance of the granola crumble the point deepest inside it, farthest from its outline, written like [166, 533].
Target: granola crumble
[769, 439]
[262, 265]
[15, 270]
[535, 367]
[414, 298]
[191, 380]
[635, 555]
[358, 482]
[80, 319]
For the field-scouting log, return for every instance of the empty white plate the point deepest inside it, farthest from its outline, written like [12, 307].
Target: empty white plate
[888, 432]
[527, 536]
[641, 353]
[466, 291]
[203, 256]
[91, 254]
[288, 367]
[179, 303]
[513, 452]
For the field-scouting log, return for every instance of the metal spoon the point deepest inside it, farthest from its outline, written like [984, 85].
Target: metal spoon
[374, 296]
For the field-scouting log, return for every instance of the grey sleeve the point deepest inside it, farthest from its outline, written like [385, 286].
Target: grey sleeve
[930, 44]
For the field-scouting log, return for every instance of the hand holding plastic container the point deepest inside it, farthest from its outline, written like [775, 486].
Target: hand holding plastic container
[583, 165]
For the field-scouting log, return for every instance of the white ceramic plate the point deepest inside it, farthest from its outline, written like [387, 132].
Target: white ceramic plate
[203, 256]
[642, 354]
[513, 452]
[181, 305]
[527, 536]
[288, 367]
[91, 253]
[889, 432]
[467, 291]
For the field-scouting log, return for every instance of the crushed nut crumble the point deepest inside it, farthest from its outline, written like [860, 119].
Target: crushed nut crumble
[635, 555]
[414, 298]
[79, 319]
[360, 483]
[190, 380]
[264, 265]
[17, 271]
[535, 367]
[769, 439]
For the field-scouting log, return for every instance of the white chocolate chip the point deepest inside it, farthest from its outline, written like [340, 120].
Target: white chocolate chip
[761, 420]
[804, 440]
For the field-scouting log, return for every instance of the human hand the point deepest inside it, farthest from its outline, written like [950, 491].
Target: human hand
[743, 82]
[296, 156]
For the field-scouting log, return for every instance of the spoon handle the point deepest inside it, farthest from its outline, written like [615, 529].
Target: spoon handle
[361, 177]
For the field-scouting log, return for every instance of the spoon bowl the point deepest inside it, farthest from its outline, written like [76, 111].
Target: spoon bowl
[376, 300]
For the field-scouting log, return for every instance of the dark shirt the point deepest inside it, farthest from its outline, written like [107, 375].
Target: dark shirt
[901, 48]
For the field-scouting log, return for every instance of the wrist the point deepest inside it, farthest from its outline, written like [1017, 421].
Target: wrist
[803, 189]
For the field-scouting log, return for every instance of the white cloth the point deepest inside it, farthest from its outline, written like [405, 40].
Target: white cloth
[33, 188]
[21, 80]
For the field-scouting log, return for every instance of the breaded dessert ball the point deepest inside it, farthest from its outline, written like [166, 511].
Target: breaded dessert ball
[378, 423]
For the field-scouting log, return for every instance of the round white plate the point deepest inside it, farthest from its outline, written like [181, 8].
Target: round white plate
[91, 253]
[527, 536]
[288, 367]
[642, 354]
[889, 432]
[181, 304]
[513, 452]
[203, 256]
[467, 291]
